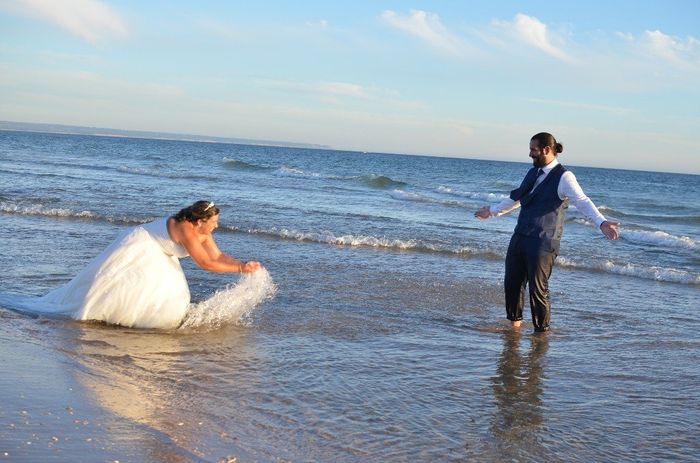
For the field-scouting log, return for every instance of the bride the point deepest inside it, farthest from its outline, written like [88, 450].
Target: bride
[137, 281]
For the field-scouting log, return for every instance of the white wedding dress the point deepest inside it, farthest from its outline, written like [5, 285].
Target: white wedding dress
[136, 282]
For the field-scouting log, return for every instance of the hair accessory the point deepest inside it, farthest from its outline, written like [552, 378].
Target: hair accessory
[211, 204]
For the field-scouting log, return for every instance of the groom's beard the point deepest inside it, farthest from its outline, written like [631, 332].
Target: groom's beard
[538, 161]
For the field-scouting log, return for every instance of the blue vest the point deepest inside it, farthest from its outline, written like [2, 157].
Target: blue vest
[542, 214]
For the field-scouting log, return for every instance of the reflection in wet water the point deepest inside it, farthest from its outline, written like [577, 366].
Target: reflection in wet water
[147, 377]
[518, 421]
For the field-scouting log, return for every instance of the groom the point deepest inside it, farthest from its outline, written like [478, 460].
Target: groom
[542, 197]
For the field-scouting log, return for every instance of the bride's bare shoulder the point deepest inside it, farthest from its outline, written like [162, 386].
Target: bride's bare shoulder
[178, 229]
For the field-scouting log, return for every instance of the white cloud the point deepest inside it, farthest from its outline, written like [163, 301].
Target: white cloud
[534, 33]
[338, 89]
[428, 27]
[626, 36]
[81, 84]
[342, 89]
[369, 97]
[91, 20]
[672, 49]
[52, 57]
[650, 47]
[586, 106]
[320, 24]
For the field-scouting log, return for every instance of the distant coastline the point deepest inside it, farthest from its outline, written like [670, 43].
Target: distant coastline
[37, 127]
[106, 132]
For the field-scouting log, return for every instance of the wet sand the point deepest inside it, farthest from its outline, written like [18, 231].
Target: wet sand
[46, 414]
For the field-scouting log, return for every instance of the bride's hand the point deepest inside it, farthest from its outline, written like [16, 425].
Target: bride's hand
[251, 266]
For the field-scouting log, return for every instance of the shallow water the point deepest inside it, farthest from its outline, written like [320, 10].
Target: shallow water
[385, 339]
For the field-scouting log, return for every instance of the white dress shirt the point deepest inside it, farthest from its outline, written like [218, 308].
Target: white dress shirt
[568, 188]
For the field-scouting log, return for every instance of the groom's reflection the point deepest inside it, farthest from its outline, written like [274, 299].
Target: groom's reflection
[517, 389]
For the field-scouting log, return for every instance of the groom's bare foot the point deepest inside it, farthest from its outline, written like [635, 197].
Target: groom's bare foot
[515, 324]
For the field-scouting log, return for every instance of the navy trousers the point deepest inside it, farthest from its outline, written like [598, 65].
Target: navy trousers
[529, 263]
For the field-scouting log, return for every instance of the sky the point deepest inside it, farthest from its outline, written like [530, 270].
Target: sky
[616, 81]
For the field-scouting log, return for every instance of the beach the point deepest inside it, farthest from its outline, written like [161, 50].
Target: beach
[385, 338]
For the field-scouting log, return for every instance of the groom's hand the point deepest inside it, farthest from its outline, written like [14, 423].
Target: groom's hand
[483, 213]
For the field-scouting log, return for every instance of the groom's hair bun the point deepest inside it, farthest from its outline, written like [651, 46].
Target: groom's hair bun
[547, 139]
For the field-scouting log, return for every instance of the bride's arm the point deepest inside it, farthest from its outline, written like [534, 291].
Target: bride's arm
[204, 254]
[215, 254]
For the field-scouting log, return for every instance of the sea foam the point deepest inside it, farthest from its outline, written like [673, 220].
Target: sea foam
[646, 272]
[36, 209]
[403, 195]
[65, 213]
[233, 304]
[493, 197]
[369, 241]
[286, 171]
[649, 237]
[660, 238]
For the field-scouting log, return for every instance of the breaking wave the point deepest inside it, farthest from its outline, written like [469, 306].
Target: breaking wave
[237, 164]
[350, 240]
[380, 181]
[66, 213]
[403, 195]
[660, 238]
[671, 275]
[491, 197]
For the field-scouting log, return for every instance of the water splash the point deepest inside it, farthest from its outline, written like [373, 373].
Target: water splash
[233, 304]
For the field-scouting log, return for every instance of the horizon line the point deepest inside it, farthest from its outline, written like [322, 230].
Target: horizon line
[152, 135]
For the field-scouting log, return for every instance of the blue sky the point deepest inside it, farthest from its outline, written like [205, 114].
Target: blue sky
[616, 81]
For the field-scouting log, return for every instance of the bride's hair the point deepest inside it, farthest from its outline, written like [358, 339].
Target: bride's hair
[201, 210]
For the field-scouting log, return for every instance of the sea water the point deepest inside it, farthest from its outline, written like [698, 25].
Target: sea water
[377, 331]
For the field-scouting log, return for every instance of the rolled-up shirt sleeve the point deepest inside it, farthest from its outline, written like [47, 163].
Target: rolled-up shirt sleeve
[569, 188]
[504, 207]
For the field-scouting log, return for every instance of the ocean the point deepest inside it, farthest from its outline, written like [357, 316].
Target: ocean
[380, 334]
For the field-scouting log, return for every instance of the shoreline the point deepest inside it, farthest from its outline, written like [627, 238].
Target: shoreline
[48, 415]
